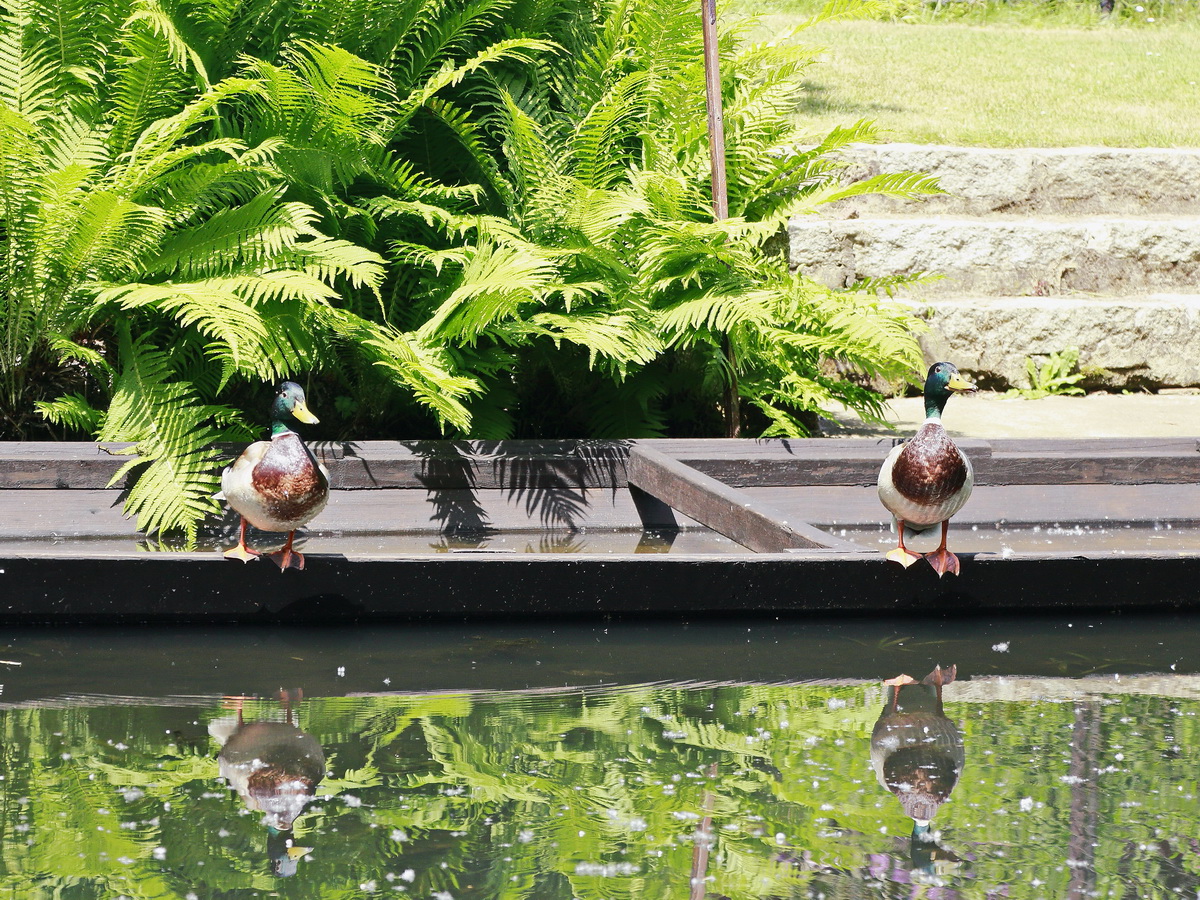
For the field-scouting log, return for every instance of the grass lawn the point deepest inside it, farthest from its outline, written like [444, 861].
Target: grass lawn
[1005, 85]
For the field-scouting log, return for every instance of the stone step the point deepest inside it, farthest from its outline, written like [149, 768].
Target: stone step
[1067, 180]
[1008, 255]
[1145, 342]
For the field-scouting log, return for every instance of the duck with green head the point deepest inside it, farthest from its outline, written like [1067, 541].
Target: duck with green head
[926, 480]
[277, 485]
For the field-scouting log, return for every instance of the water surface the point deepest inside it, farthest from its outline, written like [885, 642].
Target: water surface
[639, 760]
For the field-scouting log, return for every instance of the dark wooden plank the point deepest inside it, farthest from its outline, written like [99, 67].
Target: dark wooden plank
[840, 462]
[188, 587]
[1151, 446]
[523, 466]
[535, 466]
[720, 507]
[1089, 468]
[58, 465]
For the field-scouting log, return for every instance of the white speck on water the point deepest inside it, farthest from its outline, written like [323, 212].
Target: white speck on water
[341, 671]
[1001, 647]
[369, 886]
[159, 853]
[408, 875]
[398, 835]
[606, 870]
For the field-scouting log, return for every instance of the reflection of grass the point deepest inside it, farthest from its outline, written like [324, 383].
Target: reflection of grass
[1004, 86]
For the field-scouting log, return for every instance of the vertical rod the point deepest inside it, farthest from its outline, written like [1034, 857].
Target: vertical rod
[716, 117]
[720, 194]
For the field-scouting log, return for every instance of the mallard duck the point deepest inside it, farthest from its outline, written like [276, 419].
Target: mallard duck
[275, 769]
[277, 485]
[927, 480]
[916, 751]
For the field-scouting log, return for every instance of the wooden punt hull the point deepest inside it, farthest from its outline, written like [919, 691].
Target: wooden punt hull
[68, 554]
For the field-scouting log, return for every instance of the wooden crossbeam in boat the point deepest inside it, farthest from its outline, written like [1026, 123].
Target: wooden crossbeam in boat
[726, 510]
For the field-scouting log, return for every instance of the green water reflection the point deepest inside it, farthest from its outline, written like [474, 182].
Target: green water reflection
[1070, 788]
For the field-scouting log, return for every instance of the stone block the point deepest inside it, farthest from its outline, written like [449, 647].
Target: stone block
[1138, 342]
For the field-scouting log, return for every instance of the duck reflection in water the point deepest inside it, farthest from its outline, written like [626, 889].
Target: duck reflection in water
[275, 768]
[917, 754]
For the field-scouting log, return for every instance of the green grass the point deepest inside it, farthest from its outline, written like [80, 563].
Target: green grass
[1005, 84]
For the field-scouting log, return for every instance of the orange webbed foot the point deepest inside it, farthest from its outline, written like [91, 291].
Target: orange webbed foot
[903, 555]
[943, 561]
[242, 552]
[287, 558]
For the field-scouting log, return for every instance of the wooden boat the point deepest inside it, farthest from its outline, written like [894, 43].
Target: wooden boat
[441, 529]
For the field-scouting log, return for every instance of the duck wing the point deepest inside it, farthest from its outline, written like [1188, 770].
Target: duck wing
[930, 468]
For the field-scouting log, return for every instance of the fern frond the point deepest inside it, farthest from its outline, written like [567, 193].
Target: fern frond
[421, 369]
[73, 411]
[448, 75]
[175, 464]
[835, 10]
[493, 285]
[28, 71]
[717, 313]
[616, 339]
[163, 26]
[908, 185]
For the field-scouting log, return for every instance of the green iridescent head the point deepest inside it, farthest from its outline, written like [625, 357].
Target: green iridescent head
[942, 381]
[289, 404]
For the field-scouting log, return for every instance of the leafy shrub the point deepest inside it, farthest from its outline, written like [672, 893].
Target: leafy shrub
[455, 223]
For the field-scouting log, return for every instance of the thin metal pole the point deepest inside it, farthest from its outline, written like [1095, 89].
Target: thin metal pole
[720, 195]
[716, 118]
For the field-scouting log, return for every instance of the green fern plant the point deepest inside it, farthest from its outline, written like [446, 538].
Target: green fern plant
[602, 273]
[127, 232]
[1056, 375]
[494, 214]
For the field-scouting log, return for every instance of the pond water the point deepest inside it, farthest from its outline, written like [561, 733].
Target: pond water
[740, 759]
[1141, 537]
[410, 543]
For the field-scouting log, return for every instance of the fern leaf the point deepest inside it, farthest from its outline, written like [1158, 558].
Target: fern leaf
[175, 464]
